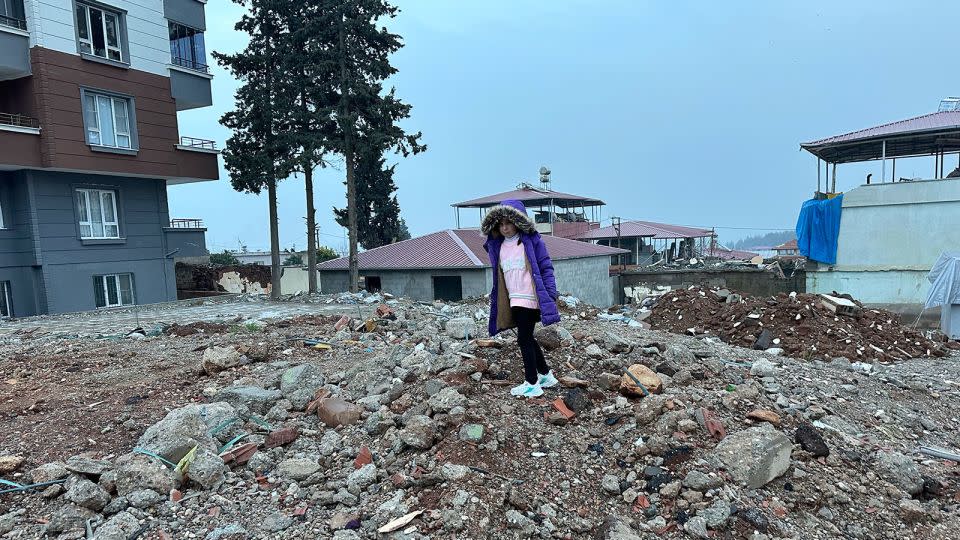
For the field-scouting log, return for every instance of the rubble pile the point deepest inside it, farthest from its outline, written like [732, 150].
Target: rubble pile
[401, 426]
[799, 325]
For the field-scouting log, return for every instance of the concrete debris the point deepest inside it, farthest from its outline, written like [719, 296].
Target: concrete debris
[217, 359]
[8, 464]
[408, 427]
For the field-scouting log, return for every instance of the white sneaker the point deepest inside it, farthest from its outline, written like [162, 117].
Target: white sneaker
[527, 390]
[548, 380]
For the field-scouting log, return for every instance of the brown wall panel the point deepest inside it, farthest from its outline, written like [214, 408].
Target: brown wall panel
[197, 164]
[20, 149]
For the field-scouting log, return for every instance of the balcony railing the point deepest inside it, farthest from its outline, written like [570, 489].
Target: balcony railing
[186, 223]
[201, 144]
[190, 64]
[18, 120]
[13, 22]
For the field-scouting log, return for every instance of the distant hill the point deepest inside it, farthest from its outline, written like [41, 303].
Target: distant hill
[764, 240]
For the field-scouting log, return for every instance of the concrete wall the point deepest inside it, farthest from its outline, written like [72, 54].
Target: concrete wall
[295, 279]
[414, 284]
[752, 281]
[51, 269]
[588, 279]
[890, 236]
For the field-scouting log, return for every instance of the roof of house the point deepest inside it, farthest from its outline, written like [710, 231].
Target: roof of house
[647, 229]
[792, 244]
[727, 254]
[917, 136]
[532, 196]
[456, 248]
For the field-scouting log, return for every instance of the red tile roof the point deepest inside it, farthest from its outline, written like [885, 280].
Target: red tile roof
[533, 196]
[647, 229]
[456, 248]
[792, 244]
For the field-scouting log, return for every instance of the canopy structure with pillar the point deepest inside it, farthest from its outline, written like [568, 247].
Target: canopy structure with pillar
[935, 134]
[555, 213]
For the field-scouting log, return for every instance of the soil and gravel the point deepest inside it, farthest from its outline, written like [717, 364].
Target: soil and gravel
[739, 443]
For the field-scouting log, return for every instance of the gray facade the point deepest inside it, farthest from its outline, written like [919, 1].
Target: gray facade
[186, 11]
[586, 278]
[51, 269]
[190, 90]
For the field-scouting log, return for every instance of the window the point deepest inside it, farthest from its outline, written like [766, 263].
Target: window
[107, 120]
[6, 306]
[11, 14]
[447, 288]
[97, 212]
[372, 284]
[113, 290]
[187, 47]
[99, 32]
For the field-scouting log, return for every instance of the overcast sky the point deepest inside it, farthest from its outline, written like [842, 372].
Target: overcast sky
[681, 112]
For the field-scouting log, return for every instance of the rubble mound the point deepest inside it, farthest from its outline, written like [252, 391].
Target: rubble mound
[801, 325]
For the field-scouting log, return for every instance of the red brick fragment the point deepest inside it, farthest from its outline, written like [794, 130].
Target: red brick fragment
[560, 406]
[363, 458]
[282, 436]
[176, 495]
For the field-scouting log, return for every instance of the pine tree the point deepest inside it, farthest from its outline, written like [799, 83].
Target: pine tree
[378, 212]
[257, 154]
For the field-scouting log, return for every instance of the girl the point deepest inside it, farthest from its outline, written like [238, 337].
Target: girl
[524, 290]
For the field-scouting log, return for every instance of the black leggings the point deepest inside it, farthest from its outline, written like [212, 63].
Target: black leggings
[533, 361]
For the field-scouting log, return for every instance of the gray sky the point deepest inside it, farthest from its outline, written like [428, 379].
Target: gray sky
[680, 112]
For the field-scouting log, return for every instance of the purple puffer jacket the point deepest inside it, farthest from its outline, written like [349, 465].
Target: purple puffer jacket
[540, 264]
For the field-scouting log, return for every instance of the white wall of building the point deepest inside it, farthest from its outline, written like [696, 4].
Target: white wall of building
[51, 25]
[890, 236]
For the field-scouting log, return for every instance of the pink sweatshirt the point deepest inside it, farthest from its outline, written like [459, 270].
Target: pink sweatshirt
[513, 262]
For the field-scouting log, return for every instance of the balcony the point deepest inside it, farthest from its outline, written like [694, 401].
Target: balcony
[19, 140]
[196, 161]
[14, 48]
[186, 240]
[19, 123]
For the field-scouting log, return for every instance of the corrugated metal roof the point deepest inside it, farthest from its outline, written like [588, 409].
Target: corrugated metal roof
[445, 249]
[730, 254]
[647, 229]
[533, 196]
[792, 244]
[932, 121]
[917, 136]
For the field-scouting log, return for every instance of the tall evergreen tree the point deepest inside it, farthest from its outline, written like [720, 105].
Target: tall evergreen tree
[257, 154]
[366, 114]
[378, 212]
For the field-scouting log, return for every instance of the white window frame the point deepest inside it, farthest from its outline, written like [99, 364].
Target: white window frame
[104, 280]
[118, 17]
[2, 225]
[118, 129]
[5, 292]
[87, 210]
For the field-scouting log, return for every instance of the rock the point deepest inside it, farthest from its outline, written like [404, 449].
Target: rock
[617, 528]
[764, 415]
[255, 399]
[594, 351]
[8, 464]
[118, 504]
[472, 433]
[900, 471]
[136, 472]
[696, 527]
[207, 469]
[811, 440]
[764, 341]
[379, 423]
[461, 328]
[335, 411]
[69, 517]
[755, 456]
[361, 479]
[232, 531]
[419, 432]
[912, 511]
[434, 386]
[650, 381]
[549, 338]
[610, 484]
[85, 493]
[372, 403]
[668, 368]
[276, 522]
[671, 490]
[92, 468]
[701, 481]
[48, 472]
[452, 472]
[447, 399]
[755, 518]
[298, 468]
[217, 359]
[615, 343]
[716, 515]
[679, 355]
[182, 429]
[144, 498]
[577, 400]
[299, 384]
[763, 368]
[516, 520]
[120, 527]
[609, 381]
[8, 522]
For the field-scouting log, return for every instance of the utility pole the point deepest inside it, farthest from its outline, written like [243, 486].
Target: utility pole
[616, 227]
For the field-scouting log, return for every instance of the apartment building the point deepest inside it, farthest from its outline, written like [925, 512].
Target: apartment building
[89, 142]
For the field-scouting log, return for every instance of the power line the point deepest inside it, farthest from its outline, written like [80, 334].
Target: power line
[713, 226]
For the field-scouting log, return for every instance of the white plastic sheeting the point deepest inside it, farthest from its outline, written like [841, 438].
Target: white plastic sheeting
[945, 291]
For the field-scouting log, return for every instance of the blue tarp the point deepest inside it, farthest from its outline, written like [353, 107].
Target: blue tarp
[818, 228]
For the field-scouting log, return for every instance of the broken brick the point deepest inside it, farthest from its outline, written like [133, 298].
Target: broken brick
[239, 454]
[282, 436]
[176, 495]
[764, 415]
[561, 407]
[342, 323]
[363, 458]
